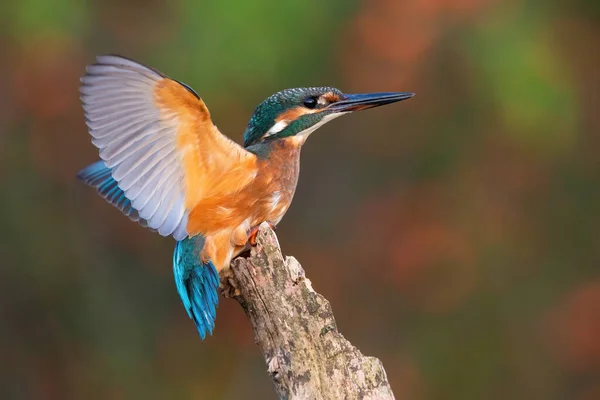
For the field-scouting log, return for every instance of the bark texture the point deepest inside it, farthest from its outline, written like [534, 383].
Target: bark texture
[294, 326]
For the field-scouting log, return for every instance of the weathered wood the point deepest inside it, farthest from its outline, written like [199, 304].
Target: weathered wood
[294, 326]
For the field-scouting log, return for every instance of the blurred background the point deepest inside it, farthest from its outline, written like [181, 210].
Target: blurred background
[456, 235]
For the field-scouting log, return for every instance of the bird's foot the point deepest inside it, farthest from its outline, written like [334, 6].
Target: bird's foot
[254, 231]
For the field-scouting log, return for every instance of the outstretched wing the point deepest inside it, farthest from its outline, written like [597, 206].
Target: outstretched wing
[156, 137]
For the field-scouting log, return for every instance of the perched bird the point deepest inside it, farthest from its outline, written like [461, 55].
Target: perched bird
[166, 165]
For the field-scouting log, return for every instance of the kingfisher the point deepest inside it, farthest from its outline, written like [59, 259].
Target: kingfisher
[165, 165]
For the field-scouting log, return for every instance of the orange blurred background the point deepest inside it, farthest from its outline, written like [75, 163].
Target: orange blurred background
[456, 235]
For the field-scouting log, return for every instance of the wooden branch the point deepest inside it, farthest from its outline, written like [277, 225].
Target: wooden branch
[294, 326]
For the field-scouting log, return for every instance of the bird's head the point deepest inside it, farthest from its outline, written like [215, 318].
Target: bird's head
[299, 112]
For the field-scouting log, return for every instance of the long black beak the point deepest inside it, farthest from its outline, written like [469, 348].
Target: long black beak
[357, 102]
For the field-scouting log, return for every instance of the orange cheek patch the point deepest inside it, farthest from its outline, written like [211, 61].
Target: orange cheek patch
[293, 114]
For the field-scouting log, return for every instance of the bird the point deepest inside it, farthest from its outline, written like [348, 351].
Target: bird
[164, 164]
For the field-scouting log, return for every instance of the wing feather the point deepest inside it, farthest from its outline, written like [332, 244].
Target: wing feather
[123, 147]
[157, 141]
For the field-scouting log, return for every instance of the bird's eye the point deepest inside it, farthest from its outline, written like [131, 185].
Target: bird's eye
[310, 102]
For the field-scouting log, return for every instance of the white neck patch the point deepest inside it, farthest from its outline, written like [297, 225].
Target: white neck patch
[278, 127]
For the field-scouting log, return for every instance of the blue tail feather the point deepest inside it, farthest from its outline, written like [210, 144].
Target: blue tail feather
[197, 284]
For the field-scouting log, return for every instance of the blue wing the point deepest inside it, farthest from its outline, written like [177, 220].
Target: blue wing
[159, 142]
[137, 140]
[98, 175]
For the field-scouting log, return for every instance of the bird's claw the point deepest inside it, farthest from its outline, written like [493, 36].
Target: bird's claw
[254, 232]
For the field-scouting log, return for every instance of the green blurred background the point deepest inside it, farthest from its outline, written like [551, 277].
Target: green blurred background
[456, 234]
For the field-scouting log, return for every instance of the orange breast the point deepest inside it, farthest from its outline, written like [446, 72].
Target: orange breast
[266, 198]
